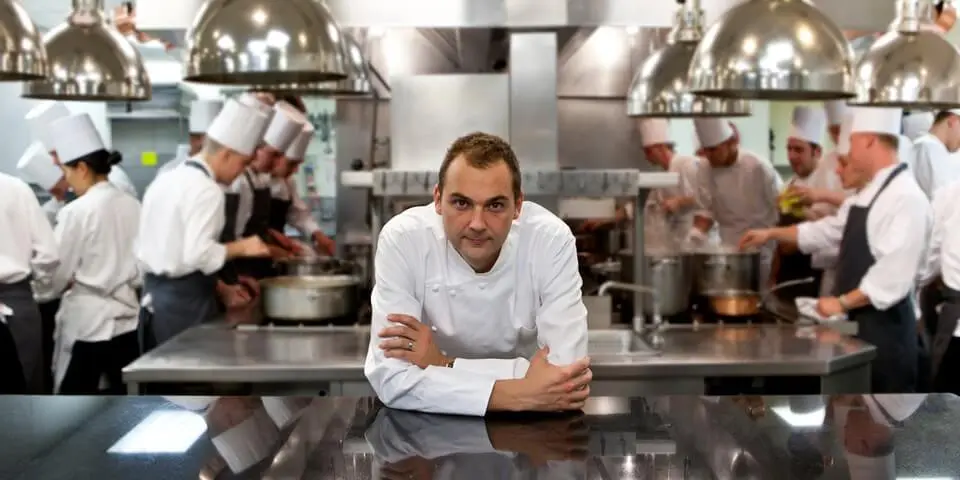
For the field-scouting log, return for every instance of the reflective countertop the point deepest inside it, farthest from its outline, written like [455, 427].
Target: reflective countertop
[217, 353]
[863, 437]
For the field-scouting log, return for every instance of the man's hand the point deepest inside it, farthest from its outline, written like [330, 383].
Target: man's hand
[551, 388]
[279, 253]
[755, 238]
[829, 306]
[549, 439]
[251, 284]
[806, 195]
[254, 247]
[324, 244]
[234, 296]
[285, 242]
[412, 341]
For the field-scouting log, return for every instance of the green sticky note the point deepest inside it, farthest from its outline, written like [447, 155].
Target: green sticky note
[148, 159]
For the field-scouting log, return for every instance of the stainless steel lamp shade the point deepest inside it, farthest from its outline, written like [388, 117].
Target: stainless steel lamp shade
[22, 54]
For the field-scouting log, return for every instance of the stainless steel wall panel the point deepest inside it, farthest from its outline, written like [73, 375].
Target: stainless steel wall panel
[419, 13]
[536, 13]
[533, 99]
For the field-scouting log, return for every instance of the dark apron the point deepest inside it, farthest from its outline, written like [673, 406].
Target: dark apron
[48, 325]
[892, 331]
[178, 303]
[947, 323]
[230, 272]
[258, 225]
[21, 367]
[796, 266]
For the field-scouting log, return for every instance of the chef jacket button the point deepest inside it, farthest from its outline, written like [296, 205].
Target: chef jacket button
[443, 352]
[483, 285]
[435, 289]
[453, 293]
[433, 327]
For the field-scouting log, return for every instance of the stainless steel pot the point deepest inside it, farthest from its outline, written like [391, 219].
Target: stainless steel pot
[671, 276]
[309, 298]
[726, 270]
[314, 266]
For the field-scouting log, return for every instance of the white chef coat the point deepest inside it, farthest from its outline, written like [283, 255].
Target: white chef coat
[120, 178]
[678, 225]
[27, 245]
[299, 215]
[898, 228]
[51, 208]
[933, 165]
[491, 323]
[823, 177]
[180, 224]
[175, 162]
[740, 197]
[242, 187]
[943, 255]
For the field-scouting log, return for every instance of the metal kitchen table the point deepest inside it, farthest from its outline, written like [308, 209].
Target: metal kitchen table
[308, 360]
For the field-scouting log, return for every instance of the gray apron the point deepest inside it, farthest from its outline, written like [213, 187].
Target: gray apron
[26, 328]
[949, 313]
[177, 303]
[892, 331]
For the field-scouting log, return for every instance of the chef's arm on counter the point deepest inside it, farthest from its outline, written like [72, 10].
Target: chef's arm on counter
[202, 227]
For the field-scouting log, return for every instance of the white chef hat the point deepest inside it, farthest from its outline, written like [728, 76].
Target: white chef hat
[843, 139]
[39, 119]
[246, 444]
[917, 124]
[876, 120]
[286, 125]
[835, 111]
[808, 124]
[654, 131]
[75, 136]
[249, 99]
[36, 166]
[202, 113]
[298, 149]
[238, 127]
[712, 131]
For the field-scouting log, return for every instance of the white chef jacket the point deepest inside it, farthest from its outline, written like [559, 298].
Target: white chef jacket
[823, 177]
[898, 228]
[677, 225]
[120, 178]
[491, 323]
[933, 165]
[173, 163]
[51, 208]
[740, 197]
[95, 234]
[943, 254]
[241, 187]
[27, 245]
[299, 215]
[180, 224]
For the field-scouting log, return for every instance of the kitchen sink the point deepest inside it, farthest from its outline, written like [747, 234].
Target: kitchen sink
[618, 342]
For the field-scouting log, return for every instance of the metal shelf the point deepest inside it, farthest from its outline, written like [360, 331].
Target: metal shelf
[145, 115]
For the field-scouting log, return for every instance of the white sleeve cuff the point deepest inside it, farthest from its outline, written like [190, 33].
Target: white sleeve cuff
[500, 369]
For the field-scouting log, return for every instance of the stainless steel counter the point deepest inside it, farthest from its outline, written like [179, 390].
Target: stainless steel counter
[307, 360]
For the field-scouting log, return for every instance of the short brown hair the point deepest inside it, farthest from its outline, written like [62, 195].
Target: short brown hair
[482, 150]
[892, 142]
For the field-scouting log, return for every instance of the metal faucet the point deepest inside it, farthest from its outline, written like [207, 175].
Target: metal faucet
[637, 315]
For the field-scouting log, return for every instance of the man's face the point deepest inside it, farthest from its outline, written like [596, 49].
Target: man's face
[478, 208]
[803, 156]
[722, 155]
[859, 161]
[834, 131]
[659, 155]
[196, 143]
[953, 133]
[847, 181]
[264, 158]
[284, 167]
[229, 165]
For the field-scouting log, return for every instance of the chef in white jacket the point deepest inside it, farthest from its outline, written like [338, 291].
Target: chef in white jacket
[736, 189]
[27, 251]
[202, 113]
[932, 163]
[180, 225]
[917, 124]
[469, 288]
[882, 235]
[98, 275]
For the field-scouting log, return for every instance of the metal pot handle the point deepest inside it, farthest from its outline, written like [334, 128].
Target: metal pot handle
[765, 294]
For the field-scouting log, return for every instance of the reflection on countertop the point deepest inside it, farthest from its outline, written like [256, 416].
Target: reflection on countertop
[863, 437]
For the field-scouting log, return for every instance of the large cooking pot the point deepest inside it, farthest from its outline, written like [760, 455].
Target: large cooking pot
[314, 266]
[725, 270]
[310, 298]
[670, 275]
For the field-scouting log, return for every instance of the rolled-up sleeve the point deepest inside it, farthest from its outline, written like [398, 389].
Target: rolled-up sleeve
[899, 244]
[45, 257]
[401, 384]
[824, 235]
[203, 222]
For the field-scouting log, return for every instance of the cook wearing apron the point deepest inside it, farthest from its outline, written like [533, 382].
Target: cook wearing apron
[28, 252]
[181, 222]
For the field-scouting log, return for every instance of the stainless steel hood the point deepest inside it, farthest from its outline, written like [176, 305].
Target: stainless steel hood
[22, 54]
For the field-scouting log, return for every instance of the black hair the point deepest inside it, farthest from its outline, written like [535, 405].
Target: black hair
[99, 161]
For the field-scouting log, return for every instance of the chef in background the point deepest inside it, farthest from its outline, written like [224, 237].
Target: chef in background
[737, 190]
[883, 241]
[804, 150]
[202, 113]
[180, 225]
[98, 275]
[932, 163]
[27, 251]
[916, 124]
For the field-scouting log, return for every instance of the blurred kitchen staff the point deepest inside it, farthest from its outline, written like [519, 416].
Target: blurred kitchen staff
[36, 166]
[932, 163]
[881, 249]
[202, 113]
[287, 208]
[917, 124]
[39, 119]
[804, 151]
[27, 251]
[97, 322]
[181, 222]
[736, 189]
[248, 199]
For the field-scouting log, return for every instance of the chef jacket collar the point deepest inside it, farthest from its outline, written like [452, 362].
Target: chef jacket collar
[203, 163]
[872, 188]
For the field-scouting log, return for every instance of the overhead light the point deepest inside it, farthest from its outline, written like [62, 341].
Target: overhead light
[773, 50]
[660, 89]
[356, 83]
[22, 56]
[264, 42]
[910, 66]
[90, 60]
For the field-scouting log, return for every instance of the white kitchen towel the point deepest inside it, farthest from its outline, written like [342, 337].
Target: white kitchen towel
[807, 307]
